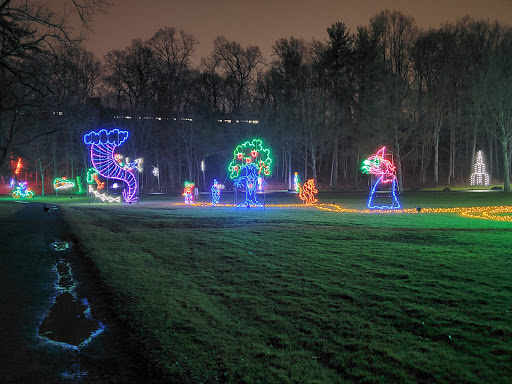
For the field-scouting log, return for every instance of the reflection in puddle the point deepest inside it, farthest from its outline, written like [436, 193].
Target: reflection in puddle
[59, 245]
[69, 322]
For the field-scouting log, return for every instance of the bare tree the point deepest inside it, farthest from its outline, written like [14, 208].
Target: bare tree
[493, 99]
[172, 52]
[131, 73]
[304, 105]
[30, 37]
[396, 34]
[240, 69]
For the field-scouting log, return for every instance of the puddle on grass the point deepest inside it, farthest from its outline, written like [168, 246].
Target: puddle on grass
[68, 322]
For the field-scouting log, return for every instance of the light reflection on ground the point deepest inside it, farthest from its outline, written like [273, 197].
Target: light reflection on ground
[69, 322]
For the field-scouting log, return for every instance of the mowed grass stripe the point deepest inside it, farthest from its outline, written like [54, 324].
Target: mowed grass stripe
[306, 296]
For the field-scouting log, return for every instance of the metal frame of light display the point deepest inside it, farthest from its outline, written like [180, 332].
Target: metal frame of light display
[250, 161]
[479, 176]
[384, 172]
[307, 192]
[103, 145]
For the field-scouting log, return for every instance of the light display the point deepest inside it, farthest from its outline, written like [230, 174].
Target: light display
[487, 213]
[125, 163]
[479, 176]
[250, 161]
[156, 171]
[296, 182]
[18, 167]
[103, 196]
[22, 191]
[79, 184]
[261, 184]
[188, 192]
[215, 192]
[92, 177]
[100, 184]
[385, 172]
[103, 145]
[138, 164]
[307, 192]
[62, 183]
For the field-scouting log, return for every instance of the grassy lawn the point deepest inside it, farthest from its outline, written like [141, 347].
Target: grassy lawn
[291, 295]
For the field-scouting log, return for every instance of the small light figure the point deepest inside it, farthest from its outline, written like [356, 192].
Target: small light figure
[261, 184]
[216, 187]
[119, 158]
[100, 184]
[307, 192]
[296, 182]
[115, 186]
[92, 177]
[156, 171]
[139, 164]
[188, 192]
[480, 177]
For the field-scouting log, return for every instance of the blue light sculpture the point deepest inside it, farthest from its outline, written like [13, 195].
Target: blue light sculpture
[103, 145]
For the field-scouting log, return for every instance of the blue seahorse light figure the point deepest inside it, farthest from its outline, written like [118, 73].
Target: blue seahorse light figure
[103, 145]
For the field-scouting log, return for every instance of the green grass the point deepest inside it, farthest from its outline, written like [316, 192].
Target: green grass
[303, 295]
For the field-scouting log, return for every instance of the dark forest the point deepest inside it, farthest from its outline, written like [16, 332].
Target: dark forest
[432, 97]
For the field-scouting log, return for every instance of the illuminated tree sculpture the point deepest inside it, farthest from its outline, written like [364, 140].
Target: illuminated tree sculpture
[215, 192]
[188, 192]
[250, 161]
[480, 177]
[103, 145]
[384, 172]
[307, 192]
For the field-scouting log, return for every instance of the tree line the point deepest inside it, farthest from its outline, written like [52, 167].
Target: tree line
[432, 97]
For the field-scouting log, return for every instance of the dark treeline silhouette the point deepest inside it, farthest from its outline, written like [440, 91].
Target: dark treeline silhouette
[432, 97]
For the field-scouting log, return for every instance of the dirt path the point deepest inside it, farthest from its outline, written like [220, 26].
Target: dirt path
[28, 283]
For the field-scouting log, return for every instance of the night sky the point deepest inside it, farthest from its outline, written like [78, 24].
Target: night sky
[262, 22]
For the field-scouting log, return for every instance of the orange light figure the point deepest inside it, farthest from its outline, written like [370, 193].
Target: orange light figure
[307, 192]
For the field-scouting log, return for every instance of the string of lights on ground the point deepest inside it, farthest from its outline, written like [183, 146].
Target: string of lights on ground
[487, 213]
